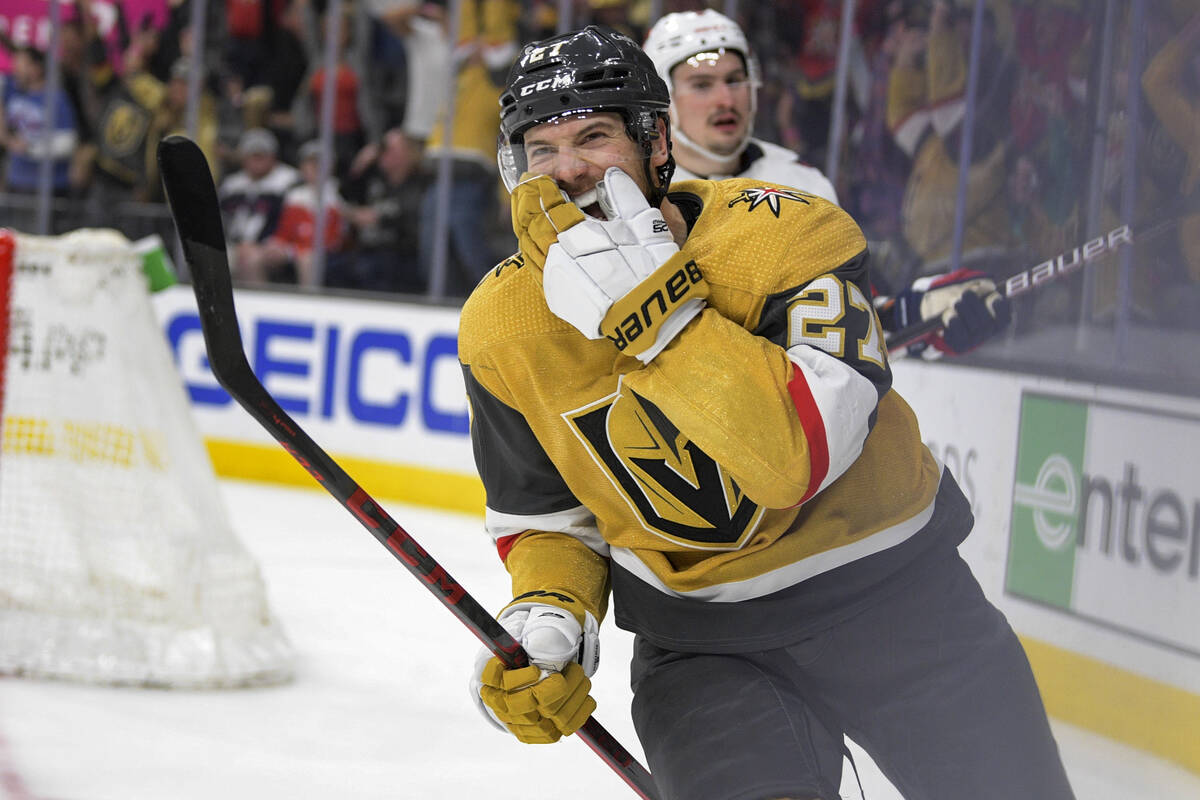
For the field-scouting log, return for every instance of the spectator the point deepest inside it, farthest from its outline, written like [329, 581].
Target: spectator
[809, 35]
[247, 23]
[876, 184]
[171, 118]
[252, 201]
[26, 132]
[385, 197]
[287, 254]
[486, 47]
[540, 21]
[926, 101]
[269, 102]
[620, 15]
[412, 72]
[78, 47]
[349, 134]
[173, 38]
[128, 102]
[1045, 117]
[1172, 86]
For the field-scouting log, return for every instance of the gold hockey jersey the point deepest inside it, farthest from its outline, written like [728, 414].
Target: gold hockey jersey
[756, 477]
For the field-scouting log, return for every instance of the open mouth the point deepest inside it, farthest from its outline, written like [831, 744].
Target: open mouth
[726, 123]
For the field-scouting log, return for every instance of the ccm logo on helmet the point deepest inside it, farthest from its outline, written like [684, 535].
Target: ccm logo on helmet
[674, 289]
[557, 82]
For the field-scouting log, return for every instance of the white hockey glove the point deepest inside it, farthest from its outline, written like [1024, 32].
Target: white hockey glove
[550, 698]
[971, 309]
[623, 278]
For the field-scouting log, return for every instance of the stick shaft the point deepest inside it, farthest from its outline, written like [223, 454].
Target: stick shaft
[1048, 271]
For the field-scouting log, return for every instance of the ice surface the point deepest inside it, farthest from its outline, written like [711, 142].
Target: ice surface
[379, 707]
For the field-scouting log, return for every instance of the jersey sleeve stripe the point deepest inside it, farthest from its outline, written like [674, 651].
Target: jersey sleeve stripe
[814, 431]
[579, 523]
[504, 545]
[835, 404]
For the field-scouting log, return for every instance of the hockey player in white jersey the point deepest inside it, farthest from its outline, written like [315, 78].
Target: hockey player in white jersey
[707, 62]
[714, 97]
[683, 399]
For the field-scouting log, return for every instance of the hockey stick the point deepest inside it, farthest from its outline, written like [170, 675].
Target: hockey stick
[194, 207]
[1050, 270]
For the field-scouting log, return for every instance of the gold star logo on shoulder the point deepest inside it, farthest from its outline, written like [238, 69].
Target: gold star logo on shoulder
[770, 195]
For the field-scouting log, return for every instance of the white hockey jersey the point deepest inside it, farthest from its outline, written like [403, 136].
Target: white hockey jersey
[251, 206]
[764, 161]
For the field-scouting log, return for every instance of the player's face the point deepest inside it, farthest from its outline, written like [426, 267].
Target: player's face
[711, 93]
[256, 165]
[310, 170]
[24, 70]
[575, 151]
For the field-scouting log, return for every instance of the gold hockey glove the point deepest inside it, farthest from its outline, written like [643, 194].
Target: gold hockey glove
[540, 211]
[550, 698]
[535, 705]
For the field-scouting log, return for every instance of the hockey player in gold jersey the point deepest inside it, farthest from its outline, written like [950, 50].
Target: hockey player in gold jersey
[686, 400]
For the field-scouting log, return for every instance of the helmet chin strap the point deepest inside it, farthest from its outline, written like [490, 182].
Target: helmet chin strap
[730, 160]
[657, 178]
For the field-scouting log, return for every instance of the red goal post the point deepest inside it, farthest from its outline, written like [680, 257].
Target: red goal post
[7, 243]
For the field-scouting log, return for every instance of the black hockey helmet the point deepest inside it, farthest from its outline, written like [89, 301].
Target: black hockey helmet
[593, 69]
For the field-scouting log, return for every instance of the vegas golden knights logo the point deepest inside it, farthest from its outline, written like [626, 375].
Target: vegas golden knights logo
[675, 488]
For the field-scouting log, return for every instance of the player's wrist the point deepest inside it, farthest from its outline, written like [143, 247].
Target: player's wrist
[645, 320]
[555, 628]
[560, 598]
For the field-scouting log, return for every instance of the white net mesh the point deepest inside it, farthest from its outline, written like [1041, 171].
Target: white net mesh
[118, 563]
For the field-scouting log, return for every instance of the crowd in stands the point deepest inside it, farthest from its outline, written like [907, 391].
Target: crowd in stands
[1044, 109]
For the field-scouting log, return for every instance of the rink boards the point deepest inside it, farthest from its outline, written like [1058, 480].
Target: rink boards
[375, 383]
[1086, 498]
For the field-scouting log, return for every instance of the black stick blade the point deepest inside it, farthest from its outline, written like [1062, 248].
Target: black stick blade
[192, 198]
[190, 192]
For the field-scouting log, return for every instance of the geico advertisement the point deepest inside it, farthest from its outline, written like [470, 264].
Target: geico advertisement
[375, 379]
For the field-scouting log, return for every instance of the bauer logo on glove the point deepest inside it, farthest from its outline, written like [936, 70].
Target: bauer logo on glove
[658, 297]
[623, 277]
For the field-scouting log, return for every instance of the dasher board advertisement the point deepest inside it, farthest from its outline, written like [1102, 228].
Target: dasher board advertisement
[1106, 516]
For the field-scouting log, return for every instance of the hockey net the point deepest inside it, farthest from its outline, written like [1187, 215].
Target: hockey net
[118, 562]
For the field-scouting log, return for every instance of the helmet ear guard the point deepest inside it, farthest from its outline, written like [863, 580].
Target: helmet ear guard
[645, 132]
